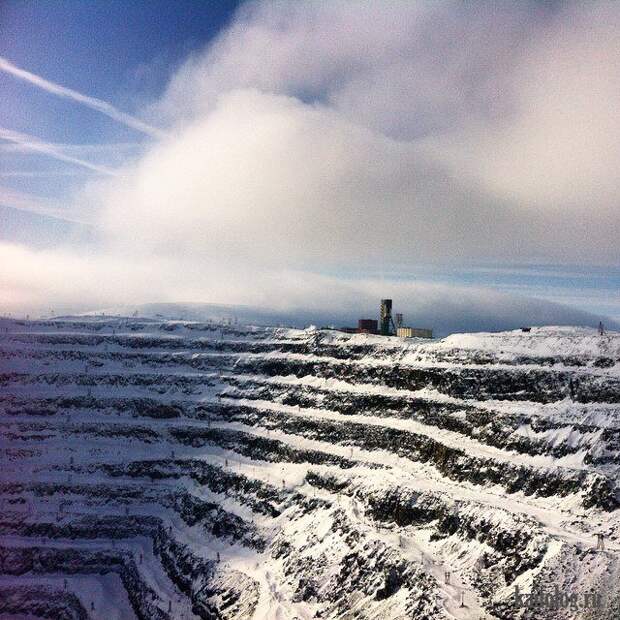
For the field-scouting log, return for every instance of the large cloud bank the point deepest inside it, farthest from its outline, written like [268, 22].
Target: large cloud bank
[322, 136]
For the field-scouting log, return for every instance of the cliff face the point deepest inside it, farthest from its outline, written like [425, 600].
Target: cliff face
[184, 470]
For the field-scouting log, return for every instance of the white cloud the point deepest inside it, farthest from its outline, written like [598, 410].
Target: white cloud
[45, 280]
[556, 148]
[267, 178]
[323, 136]
[423, 131]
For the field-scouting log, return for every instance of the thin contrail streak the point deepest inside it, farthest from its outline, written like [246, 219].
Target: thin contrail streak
[49, 149]
[91, 102]
[113, 147]
[34, 204]
[42, 173]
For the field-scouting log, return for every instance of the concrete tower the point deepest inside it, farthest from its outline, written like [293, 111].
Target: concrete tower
[385, 317]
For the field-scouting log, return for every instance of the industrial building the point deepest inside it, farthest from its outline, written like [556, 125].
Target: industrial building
[385, 325]
[368, 326]
[414, 332]
[385, 318]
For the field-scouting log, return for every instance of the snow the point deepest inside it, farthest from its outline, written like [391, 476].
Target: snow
[539, 342]
[93, 435]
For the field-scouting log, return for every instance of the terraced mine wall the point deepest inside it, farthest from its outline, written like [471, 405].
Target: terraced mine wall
[167, 469]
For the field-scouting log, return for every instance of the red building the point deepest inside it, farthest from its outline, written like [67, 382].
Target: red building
[367, 326]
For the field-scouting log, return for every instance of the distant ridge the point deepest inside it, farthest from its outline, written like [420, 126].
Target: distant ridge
[445, 320]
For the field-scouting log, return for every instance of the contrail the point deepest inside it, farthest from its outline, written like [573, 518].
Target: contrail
[114, 147]
[91, 102]
[34, 204]
[49, 149]
[42, 173]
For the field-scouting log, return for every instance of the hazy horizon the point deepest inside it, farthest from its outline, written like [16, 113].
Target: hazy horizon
[312, 157]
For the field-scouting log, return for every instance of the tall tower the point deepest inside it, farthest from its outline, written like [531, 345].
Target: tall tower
[385, 317]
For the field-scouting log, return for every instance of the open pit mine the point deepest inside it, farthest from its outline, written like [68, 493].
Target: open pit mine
[165, 470]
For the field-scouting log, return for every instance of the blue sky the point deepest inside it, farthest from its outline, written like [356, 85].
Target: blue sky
[350, 138]
[122, 52]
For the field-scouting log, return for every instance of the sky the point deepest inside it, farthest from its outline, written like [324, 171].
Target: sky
[313, 156]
